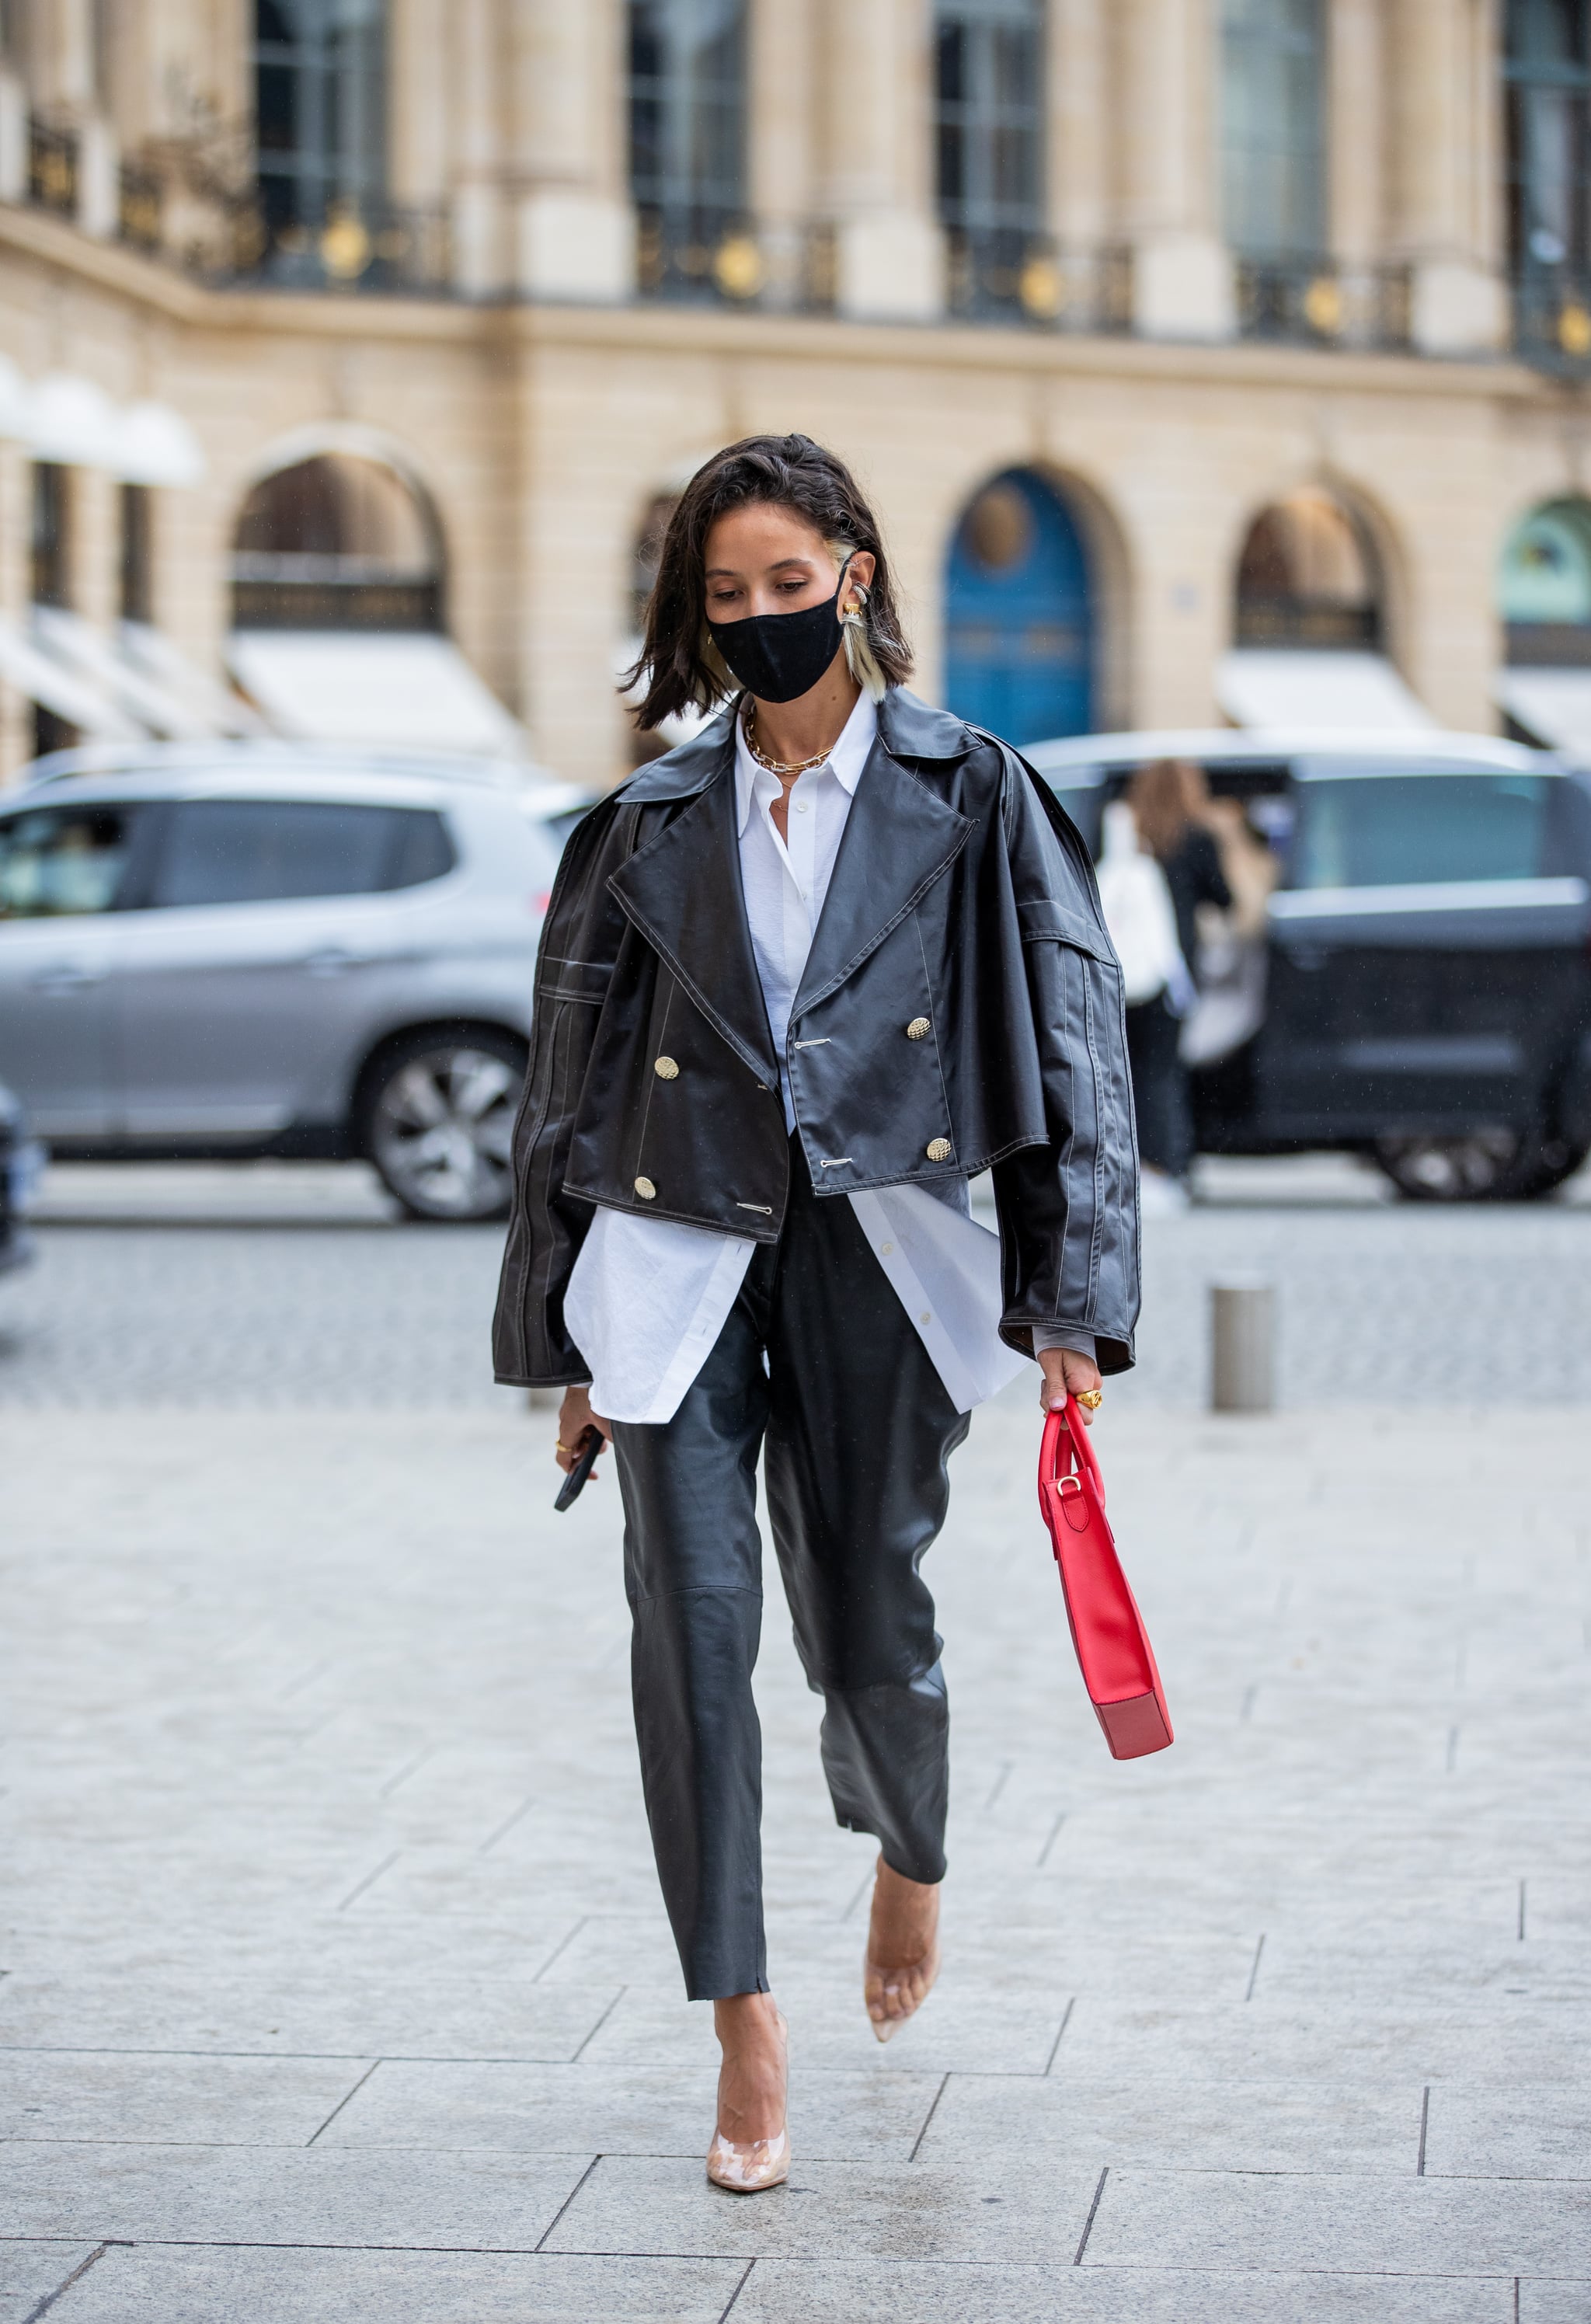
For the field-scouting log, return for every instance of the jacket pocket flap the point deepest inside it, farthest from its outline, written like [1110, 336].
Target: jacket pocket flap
[1044, 921]
[574, 980]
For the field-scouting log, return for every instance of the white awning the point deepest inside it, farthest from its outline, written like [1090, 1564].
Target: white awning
[80, 700]
[99, 660]
[349, 686]
[213, 705]
[1554, 705]
[1334, 692]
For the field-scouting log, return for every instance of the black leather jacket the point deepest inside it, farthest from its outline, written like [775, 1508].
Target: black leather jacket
[962, 1009]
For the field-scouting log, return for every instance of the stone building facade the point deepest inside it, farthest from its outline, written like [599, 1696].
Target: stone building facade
[1158, 329]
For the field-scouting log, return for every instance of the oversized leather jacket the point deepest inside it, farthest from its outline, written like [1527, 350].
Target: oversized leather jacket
[961, 1009]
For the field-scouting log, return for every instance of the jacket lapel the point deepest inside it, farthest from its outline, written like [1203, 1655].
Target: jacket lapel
[683, 892]
[898, 839]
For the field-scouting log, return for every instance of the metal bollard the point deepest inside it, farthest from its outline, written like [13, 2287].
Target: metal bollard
[1242, 1346]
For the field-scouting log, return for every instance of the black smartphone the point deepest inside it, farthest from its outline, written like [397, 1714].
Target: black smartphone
[574, 1484]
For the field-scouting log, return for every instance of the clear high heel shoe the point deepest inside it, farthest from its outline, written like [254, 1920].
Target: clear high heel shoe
[899, 1992]
[748, 2166]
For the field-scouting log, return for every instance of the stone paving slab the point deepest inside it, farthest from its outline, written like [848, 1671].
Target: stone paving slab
[1409, 2227]
[1034, 2211]
[1211, 2126]
[836, 2292]
[477, 2202]
[148, 2284]
[216, 2101]
[624, 2109]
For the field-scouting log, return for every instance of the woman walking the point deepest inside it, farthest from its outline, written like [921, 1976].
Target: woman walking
[799, 981]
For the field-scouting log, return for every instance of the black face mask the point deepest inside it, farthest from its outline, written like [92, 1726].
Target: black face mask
[778, 656]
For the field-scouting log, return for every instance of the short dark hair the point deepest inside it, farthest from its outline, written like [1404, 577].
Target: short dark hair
[676, 660]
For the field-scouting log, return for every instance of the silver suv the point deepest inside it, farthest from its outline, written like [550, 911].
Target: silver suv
[258, 951]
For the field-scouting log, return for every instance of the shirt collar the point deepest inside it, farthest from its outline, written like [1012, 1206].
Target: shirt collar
[845, 762]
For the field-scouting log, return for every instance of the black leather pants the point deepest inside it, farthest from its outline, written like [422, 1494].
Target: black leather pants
[855, 1428]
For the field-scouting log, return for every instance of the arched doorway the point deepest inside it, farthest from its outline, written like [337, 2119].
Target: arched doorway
[1544, 585]
[1019, 633]
[1307, 576]
[338, 542]
[1544, 598]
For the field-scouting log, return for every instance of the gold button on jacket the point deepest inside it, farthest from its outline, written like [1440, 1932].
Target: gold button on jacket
[940, 1150]
[918, 1029]
[667, 1070]
[649, 1192]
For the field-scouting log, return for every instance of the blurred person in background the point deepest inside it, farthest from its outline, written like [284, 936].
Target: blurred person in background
[1217, 876]
[837, 945]
[1140, 914]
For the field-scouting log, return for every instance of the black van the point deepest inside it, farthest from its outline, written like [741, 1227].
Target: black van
[1428, 972]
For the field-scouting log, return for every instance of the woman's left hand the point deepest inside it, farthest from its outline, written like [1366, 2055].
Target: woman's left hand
[1066, 1373]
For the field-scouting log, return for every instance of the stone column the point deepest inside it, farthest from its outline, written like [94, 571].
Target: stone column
[475, 54]
[1166, 133]
[417, 102]
[1356, 75]
[781, 160]
[1077, 156]
[575, 225]
[1440, 109]
[877, 115]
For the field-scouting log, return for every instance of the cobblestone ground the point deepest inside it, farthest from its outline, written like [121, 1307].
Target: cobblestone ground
[335, 1983]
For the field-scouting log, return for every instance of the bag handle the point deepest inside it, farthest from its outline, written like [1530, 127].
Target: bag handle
[1066, 1431]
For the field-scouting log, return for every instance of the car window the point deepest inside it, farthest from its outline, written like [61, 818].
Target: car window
[272, 851]
[61, 861]
[1383, 831]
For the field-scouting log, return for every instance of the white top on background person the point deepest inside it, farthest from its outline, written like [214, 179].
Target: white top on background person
[1137, 900]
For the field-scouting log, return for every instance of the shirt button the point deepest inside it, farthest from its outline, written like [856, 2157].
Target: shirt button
[885, 1249]
[924, 1317]
[918, 1029]
[666, 1069]
[645, 1190]
[939, 1149]
[801, 806]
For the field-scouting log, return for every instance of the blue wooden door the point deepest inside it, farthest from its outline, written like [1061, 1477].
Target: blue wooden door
[1019, 642]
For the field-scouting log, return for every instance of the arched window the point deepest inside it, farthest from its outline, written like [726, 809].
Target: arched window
[320, 113]
[336, 542]
[1019, 629]
[989, 92]
[1307, 576]
[1544, 586]
[1272, 140]
[687, 160]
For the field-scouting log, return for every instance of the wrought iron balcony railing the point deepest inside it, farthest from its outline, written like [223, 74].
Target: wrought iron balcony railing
[1552, 319]
[381, 247]
[140, 206]
[1006, 275]
[1323, 303]
[52, 166]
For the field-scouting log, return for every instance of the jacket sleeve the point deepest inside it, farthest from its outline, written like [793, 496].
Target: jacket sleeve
[1069, 1209]
[530, 1345]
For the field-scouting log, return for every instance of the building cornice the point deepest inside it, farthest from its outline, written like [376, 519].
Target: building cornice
[662, 329]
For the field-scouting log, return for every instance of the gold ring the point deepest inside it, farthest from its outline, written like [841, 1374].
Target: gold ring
[1090, 1399]
[562, 1447]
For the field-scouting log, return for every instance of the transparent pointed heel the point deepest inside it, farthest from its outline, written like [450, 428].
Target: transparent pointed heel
[746, 2166]
[893, 1995]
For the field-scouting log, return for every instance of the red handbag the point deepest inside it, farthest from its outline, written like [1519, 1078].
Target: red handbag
[1113, 1649]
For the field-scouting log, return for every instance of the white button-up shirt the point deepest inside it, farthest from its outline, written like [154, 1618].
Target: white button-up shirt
[648, 1297]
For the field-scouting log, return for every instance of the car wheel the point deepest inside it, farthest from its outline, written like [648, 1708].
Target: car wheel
[1477, 1166]
[437, 1122]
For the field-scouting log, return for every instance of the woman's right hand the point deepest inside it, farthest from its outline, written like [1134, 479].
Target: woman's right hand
[574, 1417]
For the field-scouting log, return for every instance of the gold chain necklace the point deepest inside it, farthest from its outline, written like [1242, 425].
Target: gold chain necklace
[777, 765]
